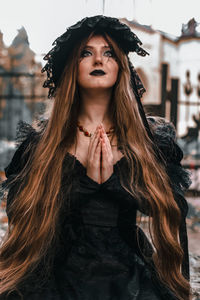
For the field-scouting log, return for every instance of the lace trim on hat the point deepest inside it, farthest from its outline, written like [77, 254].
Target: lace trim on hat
[127, 40]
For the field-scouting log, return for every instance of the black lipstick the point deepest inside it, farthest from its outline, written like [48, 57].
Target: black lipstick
[97, 73]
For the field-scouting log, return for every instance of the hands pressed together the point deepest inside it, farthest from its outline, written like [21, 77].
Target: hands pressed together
[100, 156]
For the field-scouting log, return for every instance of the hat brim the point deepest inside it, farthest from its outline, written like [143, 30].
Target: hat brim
[63, 45]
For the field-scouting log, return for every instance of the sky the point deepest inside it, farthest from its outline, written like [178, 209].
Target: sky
[45, 20]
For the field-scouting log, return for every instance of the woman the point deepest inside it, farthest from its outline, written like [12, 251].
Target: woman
[76, 182]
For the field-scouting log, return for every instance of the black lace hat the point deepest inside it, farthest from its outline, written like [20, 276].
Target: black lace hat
[63, 45]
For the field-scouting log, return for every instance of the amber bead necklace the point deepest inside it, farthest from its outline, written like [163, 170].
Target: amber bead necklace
[86, 133]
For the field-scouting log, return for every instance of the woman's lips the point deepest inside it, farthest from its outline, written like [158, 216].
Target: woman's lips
[97, 73]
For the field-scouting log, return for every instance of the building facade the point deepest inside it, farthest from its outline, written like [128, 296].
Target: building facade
[181, 56]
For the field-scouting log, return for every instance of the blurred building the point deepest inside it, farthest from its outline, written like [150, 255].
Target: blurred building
[21, 93]
[176, 58]
[171, 76]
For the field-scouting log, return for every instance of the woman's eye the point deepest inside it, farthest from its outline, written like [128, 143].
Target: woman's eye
[85, 53]
[109, 53]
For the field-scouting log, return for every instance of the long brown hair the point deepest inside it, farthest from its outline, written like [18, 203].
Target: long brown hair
[33, 226]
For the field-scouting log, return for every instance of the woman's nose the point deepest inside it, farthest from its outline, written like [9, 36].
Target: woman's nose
[98, 58]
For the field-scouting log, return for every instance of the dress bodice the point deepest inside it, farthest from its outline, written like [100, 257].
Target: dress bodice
[101, 204]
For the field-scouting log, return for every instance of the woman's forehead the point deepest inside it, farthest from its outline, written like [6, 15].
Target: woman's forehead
[97, 40]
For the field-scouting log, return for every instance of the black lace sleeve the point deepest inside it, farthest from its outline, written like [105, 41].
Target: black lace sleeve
[165, 138]
[25, 138]
[25, 133]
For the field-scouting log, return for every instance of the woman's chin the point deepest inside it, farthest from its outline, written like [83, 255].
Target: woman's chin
[96, 89]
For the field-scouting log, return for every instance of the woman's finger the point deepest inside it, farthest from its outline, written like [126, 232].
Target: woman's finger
[92, 138]
[104, 154]
[94, 143]
[106, 140]
[93, 146]
[98, 149]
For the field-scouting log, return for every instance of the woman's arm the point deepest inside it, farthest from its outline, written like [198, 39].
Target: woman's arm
[165, 139]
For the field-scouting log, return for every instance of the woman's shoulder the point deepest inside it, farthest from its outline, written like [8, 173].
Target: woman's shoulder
[160, 125]
[27, 136]
[164, 134]
[24, 132]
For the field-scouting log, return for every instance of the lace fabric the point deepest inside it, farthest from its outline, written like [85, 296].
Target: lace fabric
[101, 241]
[56, 58]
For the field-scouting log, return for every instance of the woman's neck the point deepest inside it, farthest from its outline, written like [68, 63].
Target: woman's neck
[94, 109]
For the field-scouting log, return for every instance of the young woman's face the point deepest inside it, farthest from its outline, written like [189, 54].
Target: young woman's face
[98, 68]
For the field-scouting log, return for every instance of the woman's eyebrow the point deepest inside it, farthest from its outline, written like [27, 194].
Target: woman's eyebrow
[91, 47]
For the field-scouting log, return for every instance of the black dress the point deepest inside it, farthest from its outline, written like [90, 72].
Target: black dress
[97, 255]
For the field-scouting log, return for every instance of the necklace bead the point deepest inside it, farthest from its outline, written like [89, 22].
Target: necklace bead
[86, 133]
